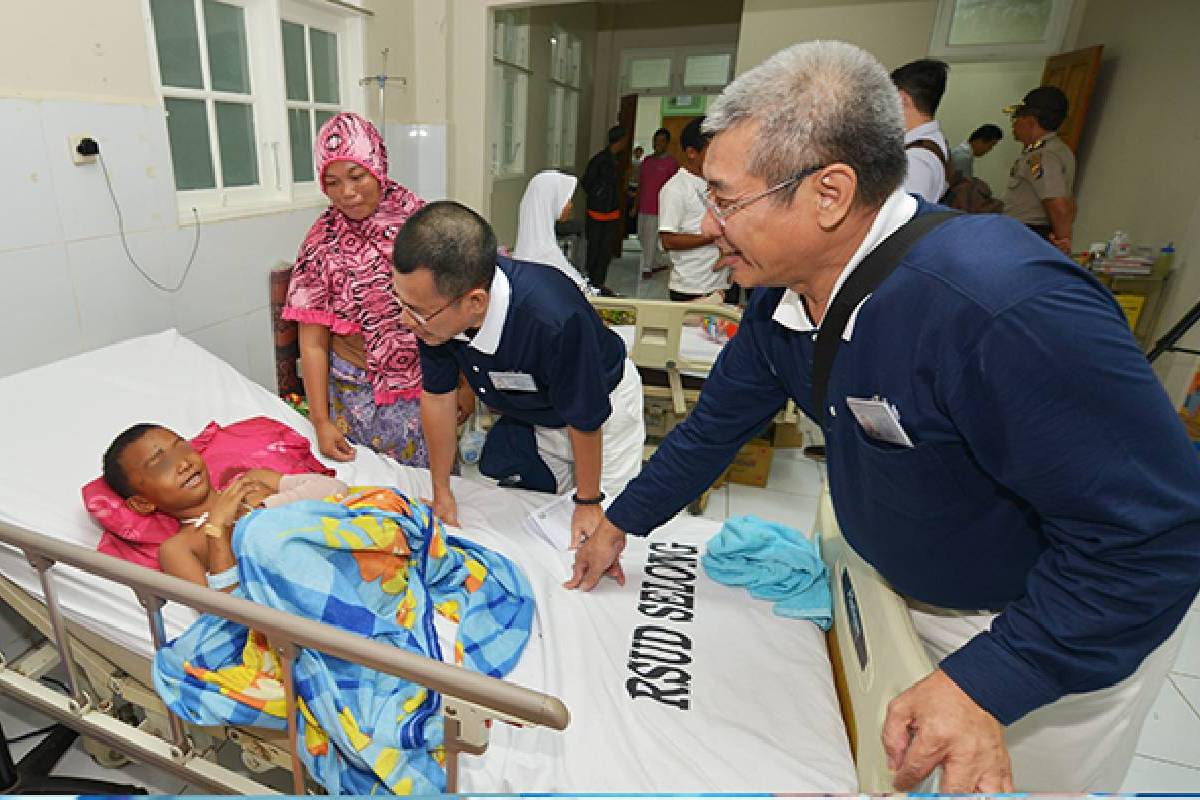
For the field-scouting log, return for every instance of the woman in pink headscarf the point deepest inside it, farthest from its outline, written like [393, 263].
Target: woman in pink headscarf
[361, 370]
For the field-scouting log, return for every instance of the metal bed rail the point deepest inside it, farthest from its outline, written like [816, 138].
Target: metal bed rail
[470, 700]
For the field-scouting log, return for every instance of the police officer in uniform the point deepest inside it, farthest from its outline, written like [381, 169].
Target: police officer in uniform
[1041, 180]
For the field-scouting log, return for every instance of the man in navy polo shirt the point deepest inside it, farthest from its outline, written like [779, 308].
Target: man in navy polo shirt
[998, 447]
[532, 348]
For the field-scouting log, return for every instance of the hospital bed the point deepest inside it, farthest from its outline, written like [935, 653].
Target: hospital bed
[718, 722]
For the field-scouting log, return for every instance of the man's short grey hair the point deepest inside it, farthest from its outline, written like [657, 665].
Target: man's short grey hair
[819, 103]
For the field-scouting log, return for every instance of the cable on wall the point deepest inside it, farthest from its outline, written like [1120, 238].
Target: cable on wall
[125, 244]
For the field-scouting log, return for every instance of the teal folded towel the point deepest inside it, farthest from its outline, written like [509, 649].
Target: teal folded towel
[774, 562]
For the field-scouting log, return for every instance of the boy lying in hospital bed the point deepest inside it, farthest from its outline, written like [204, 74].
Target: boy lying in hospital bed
[372, 562]
[155, 469]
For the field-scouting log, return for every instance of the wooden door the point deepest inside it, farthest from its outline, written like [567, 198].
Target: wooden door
[676, 125]
[1074, 73]
[626, 118]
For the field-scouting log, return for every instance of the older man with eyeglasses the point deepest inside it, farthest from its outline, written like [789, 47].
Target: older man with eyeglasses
[998, 447]
[533, 349]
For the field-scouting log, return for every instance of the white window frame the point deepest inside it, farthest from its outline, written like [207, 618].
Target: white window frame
[1056, 30]
[275, 189]
[516, 65]
[563, 128]
[502, 167]
[350, 59]
[678, 57]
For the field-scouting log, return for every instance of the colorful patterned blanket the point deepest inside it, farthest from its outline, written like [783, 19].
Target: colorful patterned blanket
[377, 564]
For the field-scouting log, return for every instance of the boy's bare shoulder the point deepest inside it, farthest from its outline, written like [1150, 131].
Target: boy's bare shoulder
[188, 540]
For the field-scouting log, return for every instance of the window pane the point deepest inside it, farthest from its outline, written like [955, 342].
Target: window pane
[295, 66]
[570, 128]
[1000, 21]
[300, 134]
[178, 43]
[509, 117]
[324, 66]
[709, 70]
[650, 73]
[228, 63]
[324, 116]
[235, 140]
[191, 155]
[576, 59]
[553, 126]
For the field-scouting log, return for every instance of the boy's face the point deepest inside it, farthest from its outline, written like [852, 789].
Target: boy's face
[166, 473]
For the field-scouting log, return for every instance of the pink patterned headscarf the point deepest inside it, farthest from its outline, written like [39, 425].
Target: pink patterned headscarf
[343, 275]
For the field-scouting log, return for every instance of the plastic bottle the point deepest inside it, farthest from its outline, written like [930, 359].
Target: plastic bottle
[1118, 245]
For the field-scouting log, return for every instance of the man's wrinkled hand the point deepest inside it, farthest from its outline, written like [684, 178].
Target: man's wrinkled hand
[935, 723]
[597, 556]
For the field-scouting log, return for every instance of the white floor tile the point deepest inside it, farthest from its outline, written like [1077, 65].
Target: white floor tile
[798, 511]
[1151, 775]
[18, 719]
[1172, 730]
[1188, 660]
[794, 474]
[1189, 687]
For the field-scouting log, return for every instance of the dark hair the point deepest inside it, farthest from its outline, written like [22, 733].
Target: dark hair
[924, 81]
[451, 241]
[113, 471]
[662, 132]
[691, 136]
[989, 133]
[615, 134]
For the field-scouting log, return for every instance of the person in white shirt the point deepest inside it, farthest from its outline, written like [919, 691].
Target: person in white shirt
[680, 212]
[547, 200]
[921, 85]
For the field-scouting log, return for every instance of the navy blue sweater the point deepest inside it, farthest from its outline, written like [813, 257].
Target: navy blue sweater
[1050, 477]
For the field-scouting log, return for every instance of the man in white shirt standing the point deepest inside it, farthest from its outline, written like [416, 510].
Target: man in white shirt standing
[680, 212]
[921, 85]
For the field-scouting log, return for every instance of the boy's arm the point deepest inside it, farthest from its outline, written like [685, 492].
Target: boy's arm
[178, 557]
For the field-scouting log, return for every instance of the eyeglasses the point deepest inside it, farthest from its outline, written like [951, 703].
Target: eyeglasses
[721, 213]
[415, 320]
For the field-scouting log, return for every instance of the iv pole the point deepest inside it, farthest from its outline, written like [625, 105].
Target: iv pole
[381, 80]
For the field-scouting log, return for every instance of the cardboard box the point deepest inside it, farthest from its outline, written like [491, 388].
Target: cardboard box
[787, 435]
[752, 464]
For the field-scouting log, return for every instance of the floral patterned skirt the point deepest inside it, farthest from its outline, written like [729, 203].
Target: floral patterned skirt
[394, 429]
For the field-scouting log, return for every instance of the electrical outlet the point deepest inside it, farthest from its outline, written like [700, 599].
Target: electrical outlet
[78, 158]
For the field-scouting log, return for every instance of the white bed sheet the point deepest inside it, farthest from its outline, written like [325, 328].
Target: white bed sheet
[762, 713]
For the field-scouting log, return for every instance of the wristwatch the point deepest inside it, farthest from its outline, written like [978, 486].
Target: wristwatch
[587, 501]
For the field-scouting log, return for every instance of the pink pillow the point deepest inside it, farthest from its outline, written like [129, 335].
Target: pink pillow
[256, 443]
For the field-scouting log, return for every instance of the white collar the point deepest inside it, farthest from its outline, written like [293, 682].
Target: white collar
[488, 338]
[898, 209]
[922, 131]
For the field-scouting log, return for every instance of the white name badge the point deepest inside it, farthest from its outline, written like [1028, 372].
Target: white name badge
[513, 381]
[879, 419]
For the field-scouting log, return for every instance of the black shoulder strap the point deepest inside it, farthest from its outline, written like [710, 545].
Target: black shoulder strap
[873, 270]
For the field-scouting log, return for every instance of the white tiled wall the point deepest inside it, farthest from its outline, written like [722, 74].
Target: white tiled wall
[68, 286]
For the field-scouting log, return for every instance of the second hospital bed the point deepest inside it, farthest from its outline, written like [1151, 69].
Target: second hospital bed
[758, 710]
